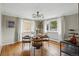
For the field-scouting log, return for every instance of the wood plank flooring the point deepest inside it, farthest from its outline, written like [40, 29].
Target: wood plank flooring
[50, 48]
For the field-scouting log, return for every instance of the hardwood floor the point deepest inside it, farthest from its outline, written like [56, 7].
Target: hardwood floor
[50, 48]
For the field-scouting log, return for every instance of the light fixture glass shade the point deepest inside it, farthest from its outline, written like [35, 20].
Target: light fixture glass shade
[37, 15]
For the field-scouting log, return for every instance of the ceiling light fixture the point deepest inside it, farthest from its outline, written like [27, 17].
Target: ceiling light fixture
[37, 15]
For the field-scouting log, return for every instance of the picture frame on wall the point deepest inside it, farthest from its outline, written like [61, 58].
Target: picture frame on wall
[11, 24]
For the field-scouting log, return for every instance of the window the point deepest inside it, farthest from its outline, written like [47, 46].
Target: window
[28, 27]
[53, 25]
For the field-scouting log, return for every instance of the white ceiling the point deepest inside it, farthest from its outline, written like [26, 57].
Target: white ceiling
[50, 10]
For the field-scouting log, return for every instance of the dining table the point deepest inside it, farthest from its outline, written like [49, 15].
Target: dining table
[36, 41]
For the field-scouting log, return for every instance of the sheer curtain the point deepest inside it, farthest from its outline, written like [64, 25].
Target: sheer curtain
[26, 27]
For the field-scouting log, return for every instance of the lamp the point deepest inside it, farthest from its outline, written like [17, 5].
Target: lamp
[37, 15]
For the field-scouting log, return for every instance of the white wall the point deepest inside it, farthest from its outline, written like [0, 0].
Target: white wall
[0, 24]
[71, 22]
[78, 22]
[8, 34]
[0, 28]
[60, 28]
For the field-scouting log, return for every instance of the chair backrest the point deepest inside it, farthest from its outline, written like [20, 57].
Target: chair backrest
[26, 37]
